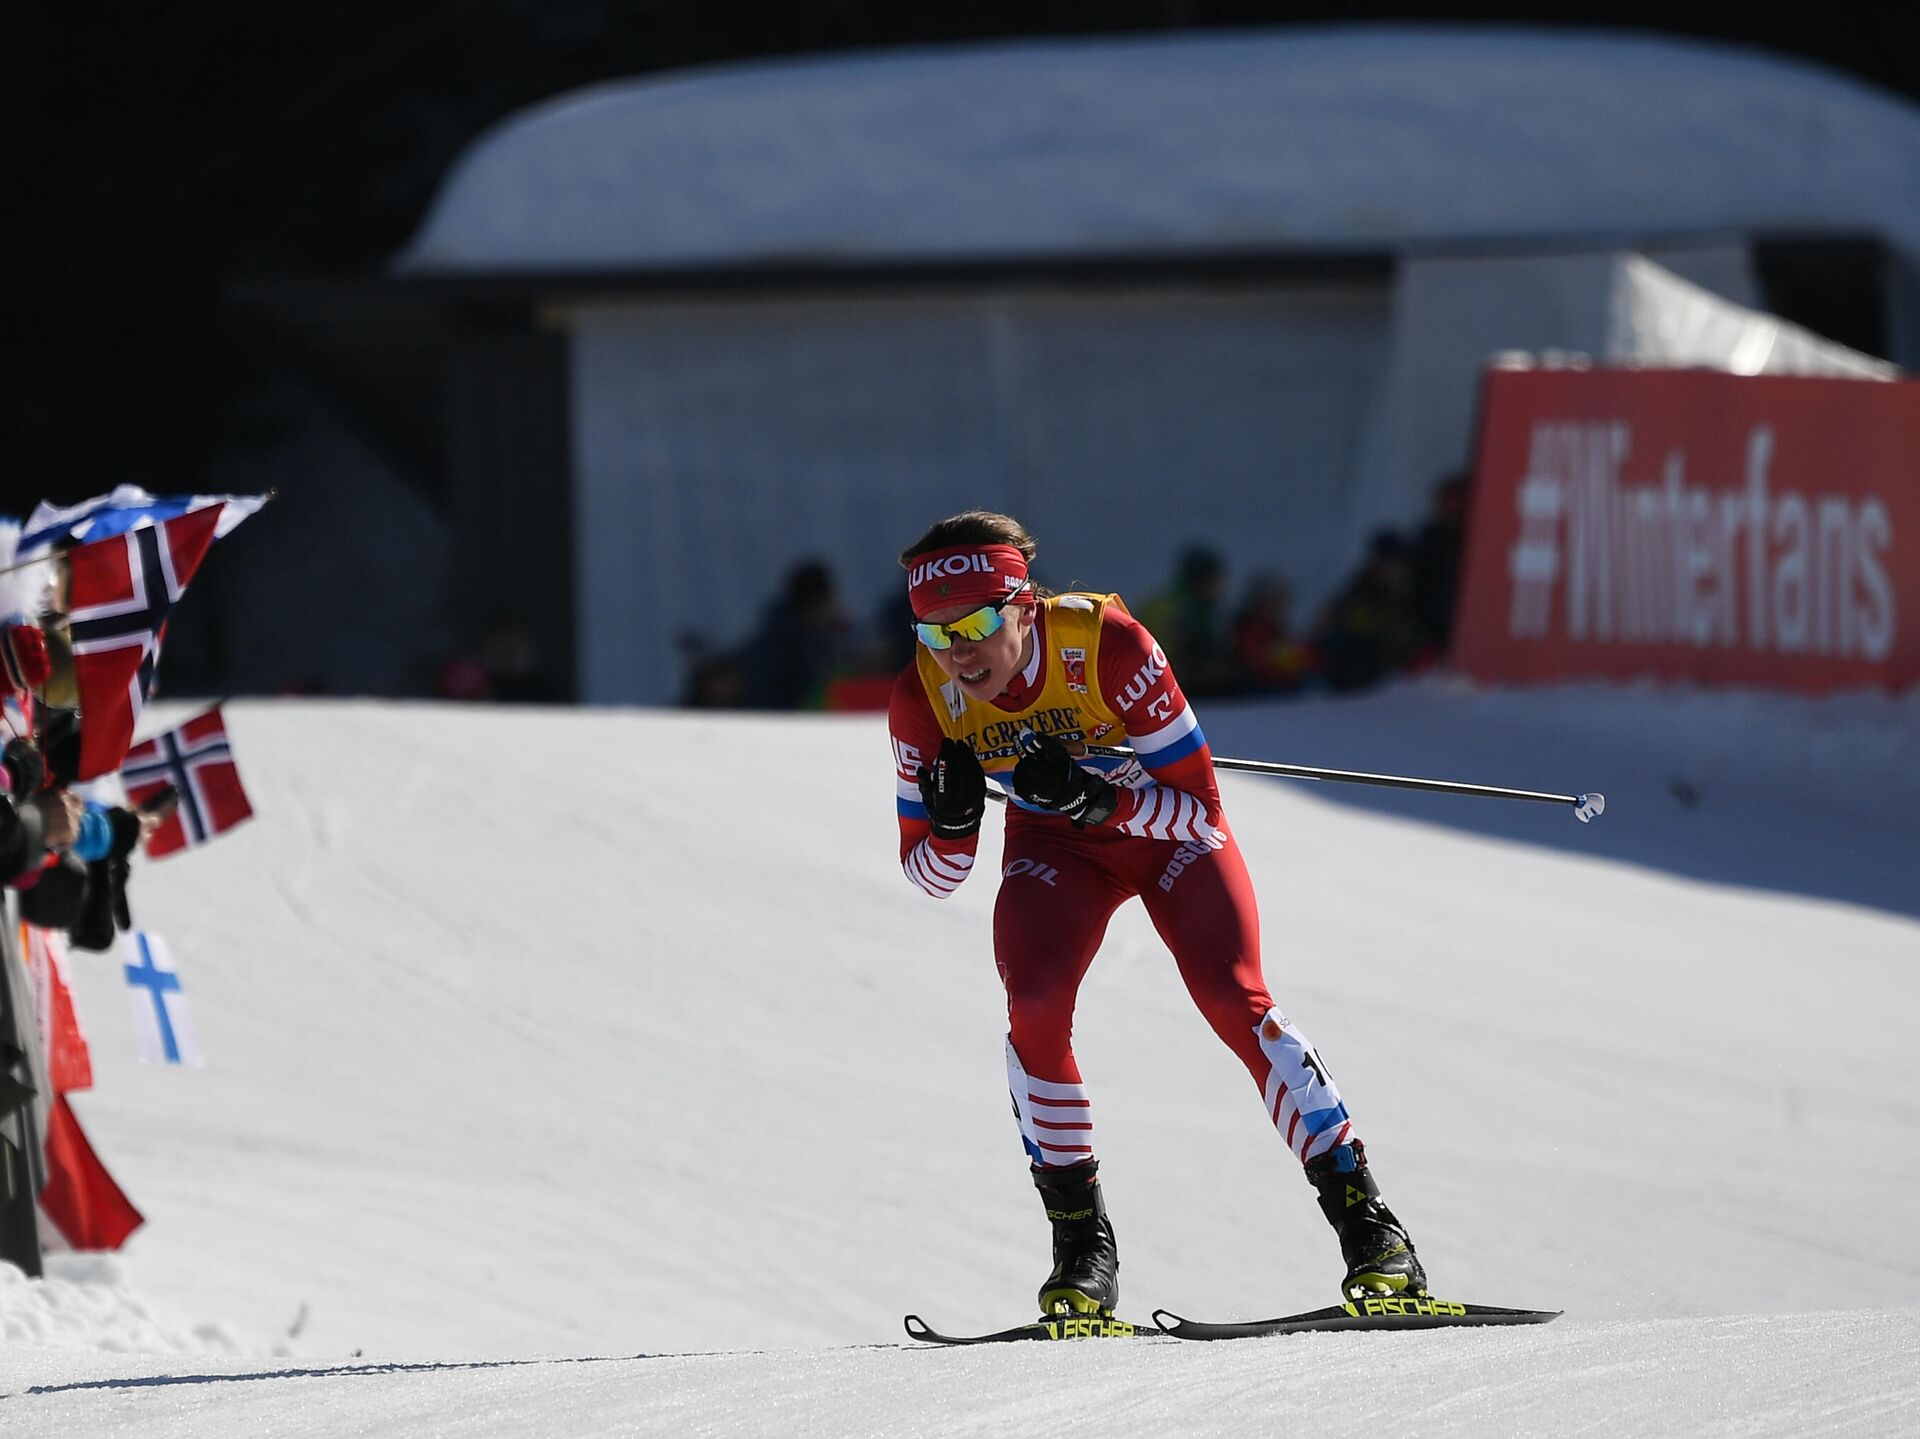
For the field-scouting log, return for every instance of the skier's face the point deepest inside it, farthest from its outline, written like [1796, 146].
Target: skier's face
[984, 668]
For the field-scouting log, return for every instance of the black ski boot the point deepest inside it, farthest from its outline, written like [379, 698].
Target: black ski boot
[1086, 1261]
[1379, 1255]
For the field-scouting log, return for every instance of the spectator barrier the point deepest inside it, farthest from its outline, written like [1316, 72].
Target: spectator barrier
[23, 1090]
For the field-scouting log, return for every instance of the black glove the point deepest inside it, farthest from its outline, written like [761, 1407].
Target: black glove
[58, 897]
[105, 908]
[1047, 776]
[60, 743]
[25, 771]
[94, 929]
[126, 832]
[955, 789]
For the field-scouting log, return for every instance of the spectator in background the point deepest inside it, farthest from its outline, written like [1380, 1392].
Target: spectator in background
[1436, 562]
[893, 643]
[714, 677]
[40, 816]
[803, 639]
[1271, 660]
[461, 677]
[1371, 629]
[511, 657]
[1187, 621]
[864, 679]
[506, 670]
[67, 859]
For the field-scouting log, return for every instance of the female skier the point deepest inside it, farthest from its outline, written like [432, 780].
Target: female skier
[1008, 682]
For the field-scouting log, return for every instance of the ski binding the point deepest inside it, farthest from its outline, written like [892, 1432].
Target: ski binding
[1046, 1328]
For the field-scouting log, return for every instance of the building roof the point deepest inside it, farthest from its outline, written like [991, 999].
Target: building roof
[1365, 139]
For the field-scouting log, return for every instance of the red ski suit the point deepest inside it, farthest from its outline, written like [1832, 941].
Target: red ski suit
[1096, 675]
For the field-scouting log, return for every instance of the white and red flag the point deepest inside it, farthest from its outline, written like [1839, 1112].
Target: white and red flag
[197, 760]
[120, 590]
[79, 1199]
[69, 1062]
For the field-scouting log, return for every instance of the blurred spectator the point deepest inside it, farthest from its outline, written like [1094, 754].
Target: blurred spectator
[1436, 562]
[1186, 620]
[715, 680]
[462, 677]
[893, 642]
[67, 858]
[507, 668]
[803, 638]
[1370, 629]
[511, 657]
[864, 678]
[1271, 660]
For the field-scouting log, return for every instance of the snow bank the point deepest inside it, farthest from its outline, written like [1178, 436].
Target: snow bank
[84, 1303]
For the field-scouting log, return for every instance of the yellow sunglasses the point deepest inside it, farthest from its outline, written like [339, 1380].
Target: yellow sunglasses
[971, 627]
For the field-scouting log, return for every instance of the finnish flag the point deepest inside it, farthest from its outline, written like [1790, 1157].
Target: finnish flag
[162, 1026]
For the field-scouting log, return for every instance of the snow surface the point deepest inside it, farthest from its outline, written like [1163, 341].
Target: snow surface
[1370, 138]
[541, 1040]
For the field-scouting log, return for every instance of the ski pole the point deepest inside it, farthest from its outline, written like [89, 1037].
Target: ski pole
[1585, 806]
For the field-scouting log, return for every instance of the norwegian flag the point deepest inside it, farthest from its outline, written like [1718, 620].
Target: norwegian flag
[128, 507]
[197, 760]
[119, 592]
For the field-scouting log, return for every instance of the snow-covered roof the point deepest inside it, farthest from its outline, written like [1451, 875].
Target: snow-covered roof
[1363, 138]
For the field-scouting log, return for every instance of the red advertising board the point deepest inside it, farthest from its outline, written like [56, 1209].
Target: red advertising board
[1690, 525]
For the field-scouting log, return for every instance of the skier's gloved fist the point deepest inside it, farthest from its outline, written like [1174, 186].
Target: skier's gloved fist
[955, 790]
[1047, 776]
